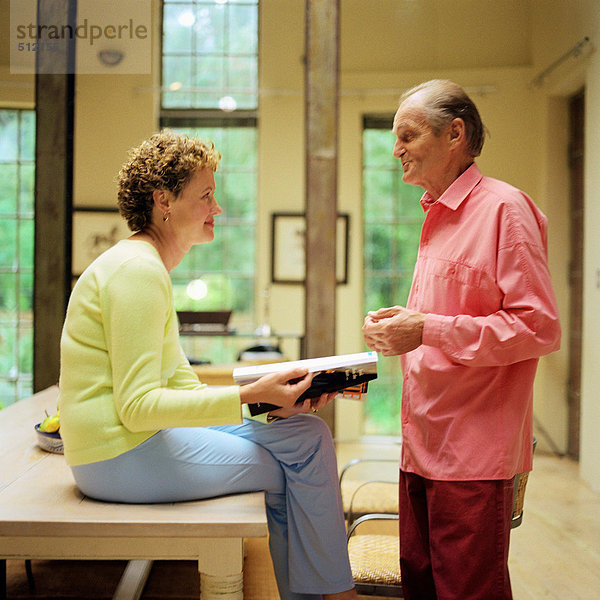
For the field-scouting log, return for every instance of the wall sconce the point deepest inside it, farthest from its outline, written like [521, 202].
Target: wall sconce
[110, 58]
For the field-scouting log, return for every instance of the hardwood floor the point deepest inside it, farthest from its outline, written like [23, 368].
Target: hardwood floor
[555, 553]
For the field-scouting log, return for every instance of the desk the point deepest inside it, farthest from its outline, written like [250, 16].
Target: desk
[215, 374]
[200, 345]
[221, 374]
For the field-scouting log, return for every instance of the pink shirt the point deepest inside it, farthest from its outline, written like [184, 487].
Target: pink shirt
[482, 278]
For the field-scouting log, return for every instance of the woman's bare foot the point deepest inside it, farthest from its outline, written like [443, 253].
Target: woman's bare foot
[348, 595]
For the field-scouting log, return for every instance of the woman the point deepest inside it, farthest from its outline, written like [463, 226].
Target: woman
[136, 423]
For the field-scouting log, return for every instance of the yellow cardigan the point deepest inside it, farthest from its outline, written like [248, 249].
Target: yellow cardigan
[123, 373]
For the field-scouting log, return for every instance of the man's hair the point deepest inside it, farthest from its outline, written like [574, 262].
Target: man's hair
[442, 102]
[165, 161]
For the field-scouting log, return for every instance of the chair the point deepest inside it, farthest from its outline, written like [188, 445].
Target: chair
[375, 557]
[362, 496]
[519, 485]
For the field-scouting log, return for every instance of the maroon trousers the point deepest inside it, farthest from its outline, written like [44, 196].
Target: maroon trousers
[454, 538]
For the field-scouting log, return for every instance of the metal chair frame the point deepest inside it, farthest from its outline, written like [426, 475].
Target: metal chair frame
[395, 591]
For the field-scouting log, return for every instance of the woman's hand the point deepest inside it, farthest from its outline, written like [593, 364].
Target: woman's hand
[281, 389]
[309, 405]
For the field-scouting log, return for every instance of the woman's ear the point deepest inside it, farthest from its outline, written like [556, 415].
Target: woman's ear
[162, 203]
[161, 200]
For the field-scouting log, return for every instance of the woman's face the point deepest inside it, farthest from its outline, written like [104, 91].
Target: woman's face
[193, 211]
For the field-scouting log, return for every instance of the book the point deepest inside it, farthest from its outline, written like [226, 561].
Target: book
[347, 374]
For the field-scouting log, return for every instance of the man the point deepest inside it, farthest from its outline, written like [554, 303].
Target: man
[480, 313]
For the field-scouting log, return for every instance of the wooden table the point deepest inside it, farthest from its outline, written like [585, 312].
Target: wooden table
[43, 515]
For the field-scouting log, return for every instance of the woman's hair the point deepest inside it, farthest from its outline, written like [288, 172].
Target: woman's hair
[443, 101]
[165, 161]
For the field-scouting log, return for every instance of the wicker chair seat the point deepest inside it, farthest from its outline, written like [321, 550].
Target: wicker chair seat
[371, 497]
[375, 559]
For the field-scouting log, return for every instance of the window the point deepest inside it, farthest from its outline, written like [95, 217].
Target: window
[17, 173]
[210, 90]
[210, 51]
[392, 224]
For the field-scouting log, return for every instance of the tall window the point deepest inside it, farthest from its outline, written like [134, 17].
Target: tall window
[392, 223]
[210, 50]
[210, 90]
[17, 173]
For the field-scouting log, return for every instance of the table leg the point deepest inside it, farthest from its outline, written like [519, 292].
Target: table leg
[3, 579]
[220, 564]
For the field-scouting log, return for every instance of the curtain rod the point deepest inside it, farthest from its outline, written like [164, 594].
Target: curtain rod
[575, 51]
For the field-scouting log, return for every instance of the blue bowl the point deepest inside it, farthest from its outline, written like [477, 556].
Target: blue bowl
[51, 442]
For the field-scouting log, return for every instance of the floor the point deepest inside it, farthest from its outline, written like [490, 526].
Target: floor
[555, 553]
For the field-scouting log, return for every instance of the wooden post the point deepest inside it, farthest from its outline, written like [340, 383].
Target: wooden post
[54, 100]
[322, 34]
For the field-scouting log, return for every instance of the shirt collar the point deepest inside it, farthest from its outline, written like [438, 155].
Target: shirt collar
[458, 190]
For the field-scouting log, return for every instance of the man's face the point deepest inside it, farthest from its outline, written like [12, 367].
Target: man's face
[425, 157]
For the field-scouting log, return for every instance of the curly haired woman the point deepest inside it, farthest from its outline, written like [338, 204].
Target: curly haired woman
[137, 424]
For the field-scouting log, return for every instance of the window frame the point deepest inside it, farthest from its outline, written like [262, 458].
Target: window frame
[22, 381]
[385, 393]
[216, 118]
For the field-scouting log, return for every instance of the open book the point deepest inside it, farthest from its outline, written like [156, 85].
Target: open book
[347, 374]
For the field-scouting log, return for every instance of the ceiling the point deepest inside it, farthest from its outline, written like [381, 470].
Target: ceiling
[406, 35]
[409, 35]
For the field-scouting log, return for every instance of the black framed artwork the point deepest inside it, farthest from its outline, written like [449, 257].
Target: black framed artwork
[288, 257]
[94, 231]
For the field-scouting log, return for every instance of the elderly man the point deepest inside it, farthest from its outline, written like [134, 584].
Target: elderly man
[480, 313]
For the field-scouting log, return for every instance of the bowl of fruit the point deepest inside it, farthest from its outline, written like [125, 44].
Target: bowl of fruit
[48, 434]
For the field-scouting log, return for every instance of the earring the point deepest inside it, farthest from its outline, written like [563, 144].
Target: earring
[165, 217]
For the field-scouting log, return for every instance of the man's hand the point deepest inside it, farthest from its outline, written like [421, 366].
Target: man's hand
[281, 389]
[392, 331]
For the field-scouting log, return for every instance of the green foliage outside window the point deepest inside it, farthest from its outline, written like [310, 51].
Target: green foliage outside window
[210, 64]
[392, 224]
[227, 264]
[209, 53]
[17, 173]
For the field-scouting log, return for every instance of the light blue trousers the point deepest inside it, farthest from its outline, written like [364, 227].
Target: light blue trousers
[293, 460]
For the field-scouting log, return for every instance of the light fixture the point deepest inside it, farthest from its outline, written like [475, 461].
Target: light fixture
[110, 58]
[197, 289]
[227, 103]
[186, 19]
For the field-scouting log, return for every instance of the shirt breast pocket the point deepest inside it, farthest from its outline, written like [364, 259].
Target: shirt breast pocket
[459, 288]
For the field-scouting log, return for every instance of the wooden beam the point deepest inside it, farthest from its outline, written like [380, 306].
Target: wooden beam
[322, 36]
[54, 98]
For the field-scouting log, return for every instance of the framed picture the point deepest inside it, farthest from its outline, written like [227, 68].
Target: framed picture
[94, 231]
[288, 257]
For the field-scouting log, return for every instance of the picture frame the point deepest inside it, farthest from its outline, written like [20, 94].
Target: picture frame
[95, 229]
[288, 258]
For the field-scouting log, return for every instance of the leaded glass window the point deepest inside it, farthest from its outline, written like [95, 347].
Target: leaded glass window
[392, 223]
[17, 173]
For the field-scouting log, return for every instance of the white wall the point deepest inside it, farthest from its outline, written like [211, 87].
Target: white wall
[557, 26]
